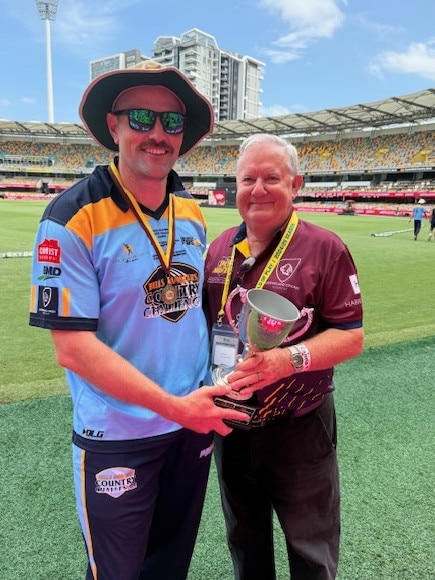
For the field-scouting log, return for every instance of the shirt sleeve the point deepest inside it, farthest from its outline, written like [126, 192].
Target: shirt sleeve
[64, 283]
[341, 304]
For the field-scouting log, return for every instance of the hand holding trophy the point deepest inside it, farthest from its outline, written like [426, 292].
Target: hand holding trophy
[264, 323]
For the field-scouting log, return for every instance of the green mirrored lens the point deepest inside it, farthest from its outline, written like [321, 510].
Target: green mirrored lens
[143, 117]
[144, 120]
[173, 121]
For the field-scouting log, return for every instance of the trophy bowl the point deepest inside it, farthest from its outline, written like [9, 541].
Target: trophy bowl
[265, 321]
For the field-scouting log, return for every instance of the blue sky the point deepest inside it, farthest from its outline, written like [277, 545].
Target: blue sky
[318, 53]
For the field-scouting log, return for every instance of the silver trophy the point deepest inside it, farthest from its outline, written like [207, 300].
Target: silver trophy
[265, 322]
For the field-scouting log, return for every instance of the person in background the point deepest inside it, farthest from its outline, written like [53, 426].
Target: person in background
[286, 462]
[431, 225]
[117, 278]
[418, 213]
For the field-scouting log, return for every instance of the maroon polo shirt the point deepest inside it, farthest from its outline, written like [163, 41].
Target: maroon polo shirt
[317, 271]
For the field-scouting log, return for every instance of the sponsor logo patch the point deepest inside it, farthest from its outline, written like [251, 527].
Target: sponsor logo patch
[49, 251]
[48, 300]
[115, 481]
[128, 254]
[189, 241]
[355, 284]
[50, 272]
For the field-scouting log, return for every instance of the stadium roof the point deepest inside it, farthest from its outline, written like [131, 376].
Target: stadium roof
[28, 129]
[412, 109]
[406, 110]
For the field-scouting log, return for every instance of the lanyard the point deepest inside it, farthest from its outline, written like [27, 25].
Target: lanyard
[282, 246]
[164, 257]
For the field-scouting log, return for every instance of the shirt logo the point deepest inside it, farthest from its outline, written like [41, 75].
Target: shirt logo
[48, 300]
[286, 269]
[189, 241]
[355, 284]
[50, 272]
[115, 481]
[49, 251]
[221, 267]
[46, 297]
[172, 295]
[128, 254]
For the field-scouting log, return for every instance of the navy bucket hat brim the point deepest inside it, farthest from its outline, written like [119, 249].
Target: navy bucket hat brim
[100, 95]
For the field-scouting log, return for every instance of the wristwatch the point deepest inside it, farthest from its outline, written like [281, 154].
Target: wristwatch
[297, 358]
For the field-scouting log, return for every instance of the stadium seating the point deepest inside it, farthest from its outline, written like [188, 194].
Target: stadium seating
[42, 167]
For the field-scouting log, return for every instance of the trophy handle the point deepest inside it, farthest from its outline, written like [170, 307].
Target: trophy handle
[304, 312]
[232, 294]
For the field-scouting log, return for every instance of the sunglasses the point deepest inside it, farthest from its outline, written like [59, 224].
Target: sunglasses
[245, 267]
[145, 119]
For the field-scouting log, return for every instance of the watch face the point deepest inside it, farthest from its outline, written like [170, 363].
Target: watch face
[298, 361]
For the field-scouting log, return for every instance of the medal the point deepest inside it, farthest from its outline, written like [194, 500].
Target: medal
[169, 294]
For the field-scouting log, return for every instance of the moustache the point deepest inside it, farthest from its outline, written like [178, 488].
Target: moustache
[150, 143]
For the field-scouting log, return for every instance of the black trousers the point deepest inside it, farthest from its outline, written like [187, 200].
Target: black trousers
[140, 511]
[289, 467]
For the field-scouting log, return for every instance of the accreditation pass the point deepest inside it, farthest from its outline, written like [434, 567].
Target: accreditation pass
[224, 346]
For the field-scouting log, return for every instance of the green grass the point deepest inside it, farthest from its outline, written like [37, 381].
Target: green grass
[385, 408]
[385, 416]
[18, 221]
[396, 277]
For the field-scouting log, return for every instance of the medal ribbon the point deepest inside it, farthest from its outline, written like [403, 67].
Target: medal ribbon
[283, 244]
[164, 257]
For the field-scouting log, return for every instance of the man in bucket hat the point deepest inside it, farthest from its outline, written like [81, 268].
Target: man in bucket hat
[418, 214]
[117, 278]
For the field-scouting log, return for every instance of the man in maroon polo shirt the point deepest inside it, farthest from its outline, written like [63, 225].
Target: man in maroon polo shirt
[286, 462]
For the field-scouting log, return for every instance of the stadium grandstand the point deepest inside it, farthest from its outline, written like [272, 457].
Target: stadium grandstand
[377, 157]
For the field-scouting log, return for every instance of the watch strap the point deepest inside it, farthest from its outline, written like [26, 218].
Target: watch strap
[301, 357]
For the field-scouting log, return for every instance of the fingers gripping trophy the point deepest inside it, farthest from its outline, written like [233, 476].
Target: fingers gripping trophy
[265, 321]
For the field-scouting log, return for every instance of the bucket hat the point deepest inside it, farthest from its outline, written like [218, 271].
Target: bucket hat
[99, 97]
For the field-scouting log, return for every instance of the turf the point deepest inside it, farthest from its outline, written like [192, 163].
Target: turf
[385, 406]
[386, 462]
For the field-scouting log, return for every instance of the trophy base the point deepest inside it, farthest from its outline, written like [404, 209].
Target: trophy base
[220, 374]
[247, 407]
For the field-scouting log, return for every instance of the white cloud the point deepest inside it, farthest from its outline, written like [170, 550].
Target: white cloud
[384, 33]
[282, 57]
[4, 103]
[308, 20]
[278, 110]
[418, 59]
[28, 100]
[77, 27]
[273, 111]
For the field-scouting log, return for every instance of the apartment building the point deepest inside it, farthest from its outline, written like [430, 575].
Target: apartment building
[230, 81]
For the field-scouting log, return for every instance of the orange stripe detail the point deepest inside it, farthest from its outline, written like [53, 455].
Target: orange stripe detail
[33, 298]
[97, 218]
[188, 209]
[66, 302]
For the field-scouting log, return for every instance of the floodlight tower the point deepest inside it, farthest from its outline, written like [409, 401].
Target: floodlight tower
[47, 11]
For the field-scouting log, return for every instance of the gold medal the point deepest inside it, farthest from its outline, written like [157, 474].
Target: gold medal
[169, 294]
